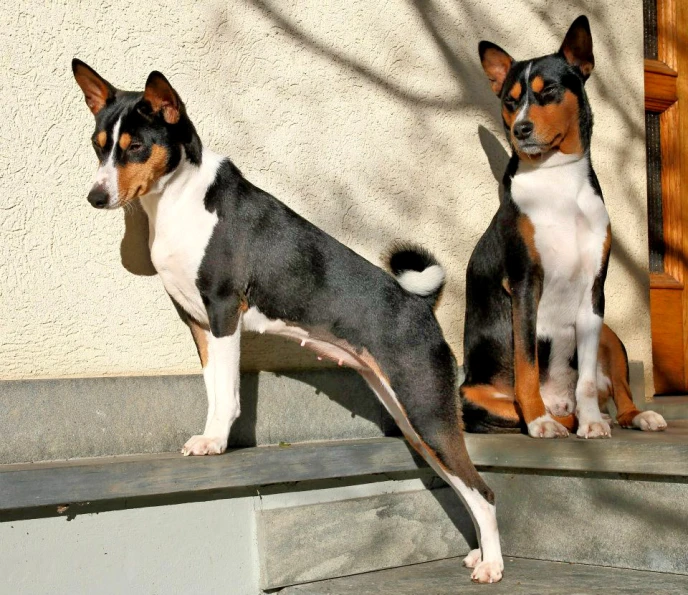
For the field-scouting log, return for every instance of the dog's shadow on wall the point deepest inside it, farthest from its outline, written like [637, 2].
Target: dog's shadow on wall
[133, 249]
[496, 155]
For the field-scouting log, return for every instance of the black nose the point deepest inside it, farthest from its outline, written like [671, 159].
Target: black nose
[523, 130]
[98, 197]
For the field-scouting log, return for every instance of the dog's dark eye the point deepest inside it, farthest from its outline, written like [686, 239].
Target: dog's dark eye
[135, 147]
[510, 103]
[549, 92]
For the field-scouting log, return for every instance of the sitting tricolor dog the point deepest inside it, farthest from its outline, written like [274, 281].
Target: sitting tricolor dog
[536, 349]
[232, 256]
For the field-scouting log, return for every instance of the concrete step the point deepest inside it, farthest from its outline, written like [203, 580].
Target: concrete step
[317, 511]
[521, 577]
[43, 420]
[621, 502]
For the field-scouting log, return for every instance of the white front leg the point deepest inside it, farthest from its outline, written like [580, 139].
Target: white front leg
[588, 328]
[221, 375]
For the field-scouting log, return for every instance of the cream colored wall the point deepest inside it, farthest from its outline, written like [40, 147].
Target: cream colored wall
[373, 119]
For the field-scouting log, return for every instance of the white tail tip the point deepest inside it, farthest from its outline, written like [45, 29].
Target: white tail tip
[424, 282]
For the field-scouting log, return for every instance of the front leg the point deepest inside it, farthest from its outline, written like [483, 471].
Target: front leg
[588, 327]
[525, 297]
[220, 360]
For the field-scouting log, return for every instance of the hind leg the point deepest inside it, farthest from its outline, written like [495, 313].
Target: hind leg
[437, 437]
[491, 409]
[613, 381]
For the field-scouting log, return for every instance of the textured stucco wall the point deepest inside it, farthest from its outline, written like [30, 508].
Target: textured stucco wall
[371, 118]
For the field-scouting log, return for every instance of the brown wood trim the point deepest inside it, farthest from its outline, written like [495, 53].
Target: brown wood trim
[660, 86]
[667, 33]
[681, 53]
[666, 310]
[666, 88]
[672, 211]
[664, 281]
[660, 68]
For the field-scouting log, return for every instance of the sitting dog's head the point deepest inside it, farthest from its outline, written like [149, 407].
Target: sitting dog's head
[140, 137]
[544, 105]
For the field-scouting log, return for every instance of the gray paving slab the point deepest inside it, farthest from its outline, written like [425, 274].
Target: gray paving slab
[521, 577]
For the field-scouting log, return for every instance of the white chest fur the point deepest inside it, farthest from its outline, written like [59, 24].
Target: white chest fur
[570, 222]
[179, 231]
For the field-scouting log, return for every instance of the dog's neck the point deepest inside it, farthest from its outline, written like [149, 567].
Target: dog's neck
[557, 176]
[187, 182]
[553, 159]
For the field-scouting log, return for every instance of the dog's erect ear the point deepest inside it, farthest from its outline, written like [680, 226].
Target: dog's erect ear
[97, 90]
[496, 63]
[577, 46]
[162, 97]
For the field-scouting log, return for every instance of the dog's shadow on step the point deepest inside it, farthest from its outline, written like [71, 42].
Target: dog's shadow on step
[309, 401]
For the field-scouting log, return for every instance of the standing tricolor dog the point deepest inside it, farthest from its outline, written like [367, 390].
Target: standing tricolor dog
[232, 256]
[536, 349]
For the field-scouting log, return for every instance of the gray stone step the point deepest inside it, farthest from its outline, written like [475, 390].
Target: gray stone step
[663, 457]
[42, 420]
[605, 519]
[521, 577]
[621, 502]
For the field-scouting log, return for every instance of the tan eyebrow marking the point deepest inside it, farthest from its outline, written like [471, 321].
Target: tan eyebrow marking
[101, 139]
[538, 84]
[124, 141]
[515, 91]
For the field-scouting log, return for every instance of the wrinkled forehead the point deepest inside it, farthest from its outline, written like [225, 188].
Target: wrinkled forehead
[536, 74]
[121, 111]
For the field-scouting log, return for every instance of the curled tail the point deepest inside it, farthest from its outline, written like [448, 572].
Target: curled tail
[417, 271]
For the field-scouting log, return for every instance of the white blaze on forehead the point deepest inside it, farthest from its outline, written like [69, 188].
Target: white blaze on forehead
[106, 176]
[523, 113]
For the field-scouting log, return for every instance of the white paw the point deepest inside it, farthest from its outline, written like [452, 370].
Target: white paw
[608, 418]
[546, 427]
[488, 572]
[559, 406]
[595, 429]
[473, 558]
[204, 445]
[649, 421]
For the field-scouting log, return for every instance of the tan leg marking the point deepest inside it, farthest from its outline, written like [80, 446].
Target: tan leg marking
[199, 336]
[526, 373]
[483, 396]
[613, 361]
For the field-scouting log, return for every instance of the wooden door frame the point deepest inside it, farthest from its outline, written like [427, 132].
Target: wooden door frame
[666, 93]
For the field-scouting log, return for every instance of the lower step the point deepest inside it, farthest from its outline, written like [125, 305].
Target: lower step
[521, 576]
[618, 503]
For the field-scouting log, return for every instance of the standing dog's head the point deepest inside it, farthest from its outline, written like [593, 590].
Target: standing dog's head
[140, 137]
[544, 105]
